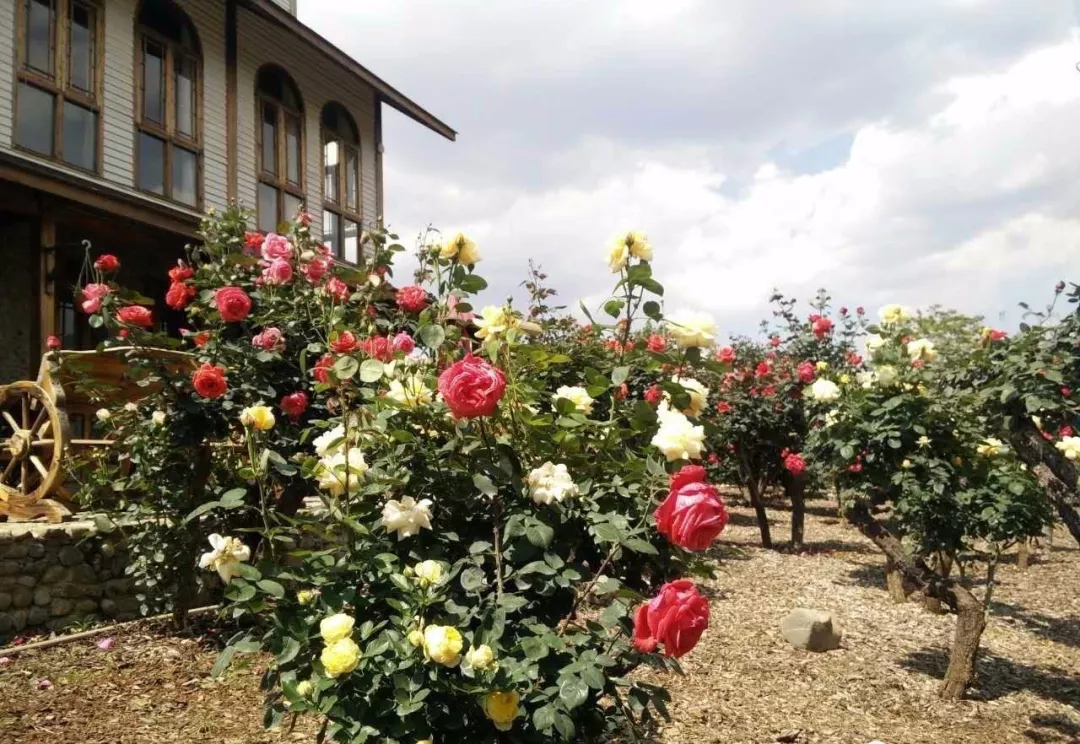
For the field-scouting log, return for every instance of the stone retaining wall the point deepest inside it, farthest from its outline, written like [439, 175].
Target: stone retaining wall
[55, 576]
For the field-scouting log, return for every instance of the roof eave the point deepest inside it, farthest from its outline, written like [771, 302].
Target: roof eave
[385, 92]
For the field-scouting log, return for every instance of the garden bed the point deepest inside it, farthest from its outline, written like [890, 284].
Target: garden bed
[744, 683]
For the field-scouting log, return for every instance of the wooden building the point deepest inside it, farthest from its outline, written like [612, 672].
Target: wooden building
[122, 121]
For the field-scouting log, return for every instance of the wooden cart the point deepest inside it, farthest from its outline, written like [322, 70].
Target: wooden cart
[43, 423]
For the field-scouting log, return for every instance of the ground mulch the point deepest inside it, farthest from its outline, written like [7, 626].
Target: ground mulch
[743, 683]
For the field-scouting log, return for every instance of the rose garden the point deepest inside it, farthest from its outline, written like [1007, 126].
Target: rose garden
[427, 521]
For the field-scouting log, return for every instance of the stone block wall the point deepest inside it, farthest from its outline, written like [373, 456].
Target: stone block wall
[52, 577]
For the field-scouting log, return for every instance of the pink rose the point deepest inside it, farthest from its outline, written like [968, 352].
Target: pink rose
[271, 339]
[806, 372]
[472, 387]
[693, 513]
[233, 303]
[345, 342]
[92, 295]
[276, 247]
[654, 395]
[726, 355]
[657, 343]
[676, 617]
[794, 464]
[822, 327]
[279, 271]
[412, 299]
[378, 347]
[135, 315]
[337, 289]
[404, 343]
[316, 269]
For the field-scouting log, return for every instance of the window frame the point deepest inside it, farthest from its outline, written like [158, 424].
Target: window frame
[341, 207]
[167, 131]
[58, 84]
[279, 179]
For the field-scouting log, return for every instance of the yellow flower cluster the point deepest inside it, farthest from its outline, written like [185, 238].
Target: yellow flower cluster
[341, 654]
[260, 418]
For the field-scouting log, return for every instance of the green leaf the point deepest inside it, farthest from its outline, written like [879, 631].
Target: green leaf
[289, 651]
[431, 336]
[652, 310]
[613, 307]
[534, 648]
[619, 375]
[593, 677]
[472, 283]
[371, 370]
[607, 532]
[565, 725]
[539, 534]
[233, 498]
[346, 367]
[201, 509]
[473, 579]
[484, 484]
[223, 660]
[573, 692]
[539, 567]
[272, 587]
[544, 718]
[640, 546]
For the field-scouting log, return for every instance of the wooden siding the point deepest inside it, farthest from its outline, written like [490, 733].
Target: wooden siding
[7, 72]
[289, 5]
[319, 81]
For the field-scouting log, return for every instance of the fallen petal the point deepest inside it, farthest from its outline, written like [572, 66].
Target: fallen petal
[106, 643]
[44, 684]
[5, 660]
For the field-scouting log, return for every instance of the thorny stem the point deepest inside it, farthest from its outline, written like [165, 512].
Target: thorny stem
[496, 520]
[249, 435]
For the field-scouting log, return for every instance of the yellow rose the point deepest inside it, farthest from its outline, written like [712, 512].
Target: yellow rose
[416, 638]
[336, 627]
[442, 644]
[618, 255]
[411, 393]
[1069, 447]
[692, 329]
[340, 657]
[698, 393]
[990, 447]
[428, 572]
[906, 465]
[477, 659]
[845, 379]
[501, 708]
[424, 741]
[306, 596]
[639, 245]
[493, 321]
[579, 396]
[258, 417]
[461, 248]
[822, 366]
[891, 314]
[305, 688]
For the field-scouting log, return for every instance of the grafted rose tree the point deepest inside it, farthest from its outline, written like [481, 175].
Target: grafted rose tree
[480, 561]
[922, 475]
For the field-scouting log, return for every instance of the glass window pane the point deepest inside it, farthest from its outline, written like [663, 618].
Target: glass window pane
[292, 149]
[39, 38]
[79, 131]
[352, 242]
[269, 139]
[151, 164]
[184, 79]
[352, 179]
[185, 175]
[331, 154]
[292, 206]
[153, 86]
[34, 129]
[81, 75]
[268, 208]
[331, 223]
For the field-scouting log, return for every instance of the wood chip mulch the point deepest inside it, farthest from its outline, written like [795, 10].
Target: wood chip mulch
[744, 684]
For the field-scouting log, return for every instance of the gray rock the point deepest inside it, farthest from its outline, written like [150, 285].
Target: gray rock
[42, 597]
[37, 616]
[5, 601]
[9, 568]
[36, 550]
[813, 630]
[27, 581]
[61, 607]
[53, 574]
[22, 597]
[85, 574]
[18, 550]
[86, 607]
[18, 618]
[118, 587]
[6, 622]
[108, 608]
[70, 555]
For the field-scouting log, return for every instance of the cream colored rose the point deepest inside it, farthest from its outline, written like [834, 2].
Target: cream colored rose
[886, 375]
[922, 349]
[340, 657]
[677, 438]
[103, 414]
[428, 572]
[990, 447]
[461, 248]
[407, 516]
[873, 342]
[478, 659]
[305, 688]
[1069, 447]
[341, 471]
[579, 396]
[416, 638]
[692, 329]
[618, 256]
[699, 394]
[336, 627]
[823, 391]
[443, 644]
[306, 597]
[493, 321]
[550, 483]
[411, 392]
[892, 314]
[225, 558]
[158, 417]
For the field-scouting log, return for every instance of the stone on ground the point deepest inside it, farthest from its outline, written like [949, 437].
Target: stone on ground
[813, 630]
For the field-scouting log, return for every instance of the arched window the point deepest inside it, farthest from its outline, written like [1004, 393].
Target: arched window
[58, 98]
[341, 182]
[280, 143]
[168, 70]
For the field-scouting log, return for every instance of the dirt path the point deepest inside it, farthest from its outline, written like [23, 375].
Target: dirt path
[744, 684]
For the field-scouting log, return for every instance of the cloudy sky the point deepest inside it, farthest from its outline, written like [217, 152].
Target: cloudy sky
[914, 151]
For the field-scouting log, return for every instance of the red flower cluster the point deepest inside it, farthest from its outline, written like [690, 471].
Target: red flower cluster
[253, 242]
[107, 263]
[806, 372]
[337, 289]
[233, 303]
[764, 369]
[472, 387]
[693, 513]
[822, 327]
[209, 381]
[135, 315]
[794, 464]
[53, 343]
[723, 407]
[725, 355]
[295, 404]
[322, 367]
[654, 395]
[996, 335]
[676, 617]
[378, 347]
[657, 343]
[345, 342]
[412, 299]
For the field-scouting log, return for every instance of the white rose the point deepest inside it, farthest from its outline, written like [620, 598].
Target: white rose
[923, 349]
[158, 417]
[698, 393]
[579, 396]
[131, 407]
[407, 517]
[103, 414]
[690, 329]
[886, 375]
[1069, 447]
[411, 393]
[873, 342]
[342, 468]
[550, 484]
[677, 438]
[225, 558]
[493, 321]
[823, 391]
[330, 442]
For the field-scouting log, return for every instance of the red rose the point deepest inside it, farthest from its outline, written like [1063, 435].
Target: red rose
[92, 296]
[676, 617]
[344, 343]
[996, 335]
[322, 369]
[135, 315]
[843, 311]
[1067, 392]
[404, 343]
[107, 263]
[253, 242]
[854, 359]
[233, 303]
[378, 347]
[794, 464]
[53, 343]
[412, 299]
[1066, 431]
[622, 391]
[181, 273]
[723, 407]
[918, 364]
[295, 404]
[202, 338]
[316, 269]
[270, 339]
[472, 387]
[714, 459]
[726, 355]
[805, 370]
[654, 395]
[209, 381]
[855, 467]
[686, 475]
[692, 515]
[774, 341]
[337, 289]
[656, 343]
[123, 333]
[764, 369]
[304, 218]
[179, 295]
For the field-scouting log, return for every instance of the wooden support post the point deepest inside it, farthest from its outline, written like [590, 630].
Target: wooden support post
[46, 289]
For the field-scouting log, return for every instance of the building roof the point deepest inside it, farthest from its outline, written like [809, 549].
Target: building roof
[386, 92]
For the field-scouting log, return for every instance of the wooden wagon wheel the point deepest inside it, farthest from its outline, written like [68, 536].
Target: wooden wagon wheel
[33, 433]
